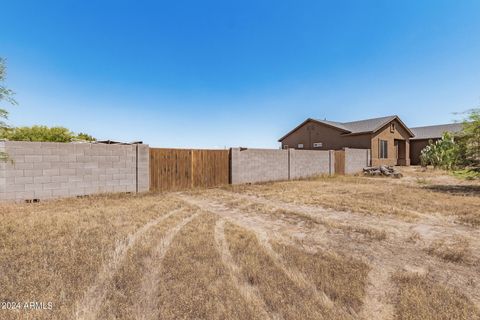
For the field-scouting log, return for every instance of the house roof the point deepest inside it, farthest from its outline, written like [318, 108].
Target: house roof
[431, 132]
[355, 127]
[368, 125]
[335, 124]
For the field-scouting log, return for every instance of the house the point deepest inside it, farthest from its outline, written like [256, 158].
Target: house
[391, 142]
[425, 135]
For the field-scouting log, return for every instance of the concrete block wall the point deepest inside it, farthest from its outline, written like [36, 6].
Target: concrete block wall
[46, 170]
[308, 163]
[258, 165]
[356, 160]
[143, 167]
[262, 165]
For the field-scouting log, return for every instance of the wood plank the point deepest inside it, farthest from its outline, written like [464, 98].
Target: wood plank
[340, 162]
[179, 169]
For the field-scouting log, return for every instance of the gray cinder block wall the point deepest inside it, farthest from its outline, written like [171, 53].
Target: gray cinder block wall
[143, 164]
[308, 163]
[258, 165]
[262, 165]
[356, 160]
[46, 170]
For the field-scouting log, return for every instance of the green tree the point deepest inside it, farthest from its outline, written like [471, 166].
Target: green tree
[7, 96]
[85, 137]
[470, 138]
[43, 133]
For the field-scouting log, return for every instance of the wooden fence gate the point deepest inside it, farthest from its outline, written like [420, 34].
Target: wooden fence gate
[179, 169]
[339, 161]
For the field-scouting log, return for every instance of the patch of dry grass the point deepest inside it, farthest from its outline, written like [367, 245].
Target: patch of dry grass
[343, 279]
[53, 251]
[401, 197]
[249, 206]
[282, 296]
[195, 283]
[125, 298]
[419, 297]
[297, 216]
[453, 250]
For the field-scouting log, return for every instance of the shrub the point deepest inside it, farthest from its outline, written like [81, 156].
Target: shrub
[470, 138]
[444, 153]
[44, 134]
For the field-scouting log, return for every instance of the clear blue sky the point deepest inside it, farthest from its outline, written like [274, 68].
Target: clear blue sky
[236, 73]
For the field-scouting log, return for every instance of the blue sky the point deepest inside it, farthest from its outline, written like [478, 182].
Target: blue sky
[236, 73]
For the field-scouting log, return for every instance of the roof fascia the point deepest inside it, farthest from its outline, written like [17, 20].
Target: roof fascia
[311, 120]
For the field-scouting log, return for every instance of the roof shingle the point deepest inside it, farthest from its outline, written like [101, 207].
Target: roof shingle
[432, 132]
[367, 125]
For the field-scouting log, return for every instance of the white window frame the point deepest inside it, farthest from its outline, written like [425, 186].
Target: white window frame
[382, 149]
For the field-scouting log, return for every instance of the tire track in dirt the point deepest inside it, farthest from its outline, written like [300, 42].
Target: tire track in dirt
[392, 255]
[376, 304]
[292, 273]
[148, 291]
[389, 222]
[235, 217]
[396, 253]
[378, 291]
[89, 306]
[247, 291]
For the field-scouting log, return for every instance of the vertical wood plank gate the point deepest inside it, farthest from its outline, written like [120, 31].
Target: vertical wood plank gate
[340, 162]
[180, 169]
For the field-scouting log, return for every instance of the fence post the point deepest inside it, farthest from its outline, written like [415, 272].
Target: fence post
[136, 168]
[329, 162]
[192, 153]
[230, 166]
[288, 150]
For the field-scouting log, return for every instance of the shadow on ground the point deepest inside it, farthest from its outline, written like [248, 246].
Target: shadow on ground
[462, 190]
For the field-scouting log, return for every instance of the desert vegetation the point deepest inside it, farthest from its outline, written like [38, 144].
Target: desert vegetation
[325, 248]
[458, 151]
[43, 134]
[6, 95]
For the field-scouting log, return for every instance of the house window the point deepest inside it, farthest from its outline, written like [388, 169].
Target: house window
[285, 146]
[392, 127]
[300, 146]
[383, 149]
[318, 145]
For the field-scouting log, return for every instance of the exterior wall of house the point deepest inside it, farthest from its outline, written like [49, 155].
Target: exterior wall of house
[357, 141]
[385, 134]
[416, 147]
[331, 138]
[46, 170]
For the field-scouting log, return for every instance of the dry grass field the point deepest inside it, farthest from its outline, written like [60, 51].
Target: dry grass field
[325, 248]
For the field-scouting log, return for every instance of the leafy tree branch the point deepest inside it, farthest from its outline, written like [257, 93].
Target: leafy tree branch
[7, 96]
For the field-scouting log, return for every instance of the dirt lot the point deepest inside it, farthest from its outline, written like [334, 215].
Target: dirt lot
[326, 248]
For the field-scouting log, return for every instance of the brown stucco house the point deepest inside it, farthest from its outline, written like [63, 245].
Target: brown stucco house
[388, 138]
[391, 142]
